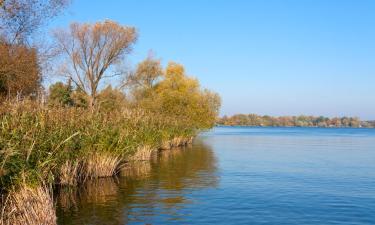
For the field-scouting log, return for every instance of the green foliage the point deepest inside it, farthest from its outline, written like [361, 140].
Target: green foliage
[60, 94]
[179, 96]
[80, 99]
[111, 99]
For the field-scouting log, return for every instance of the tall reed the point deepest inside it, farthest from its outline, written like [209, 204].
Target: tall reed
[42, 146]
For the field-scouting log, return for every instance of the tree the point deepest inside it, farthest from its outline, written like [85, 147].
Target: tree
[60, 94]
[146, 75]
[181, 97]
[19, 19]
[142, 81]
[19, 71]
[90, 52]
[80, 98]
[110, 99]
[20, 64]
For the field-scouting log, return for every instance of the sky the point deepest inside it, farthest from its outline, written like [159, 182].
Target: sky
[269, 57]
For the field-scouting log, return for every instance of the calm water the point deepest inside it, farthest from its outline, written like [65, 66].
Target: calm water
[240, 176]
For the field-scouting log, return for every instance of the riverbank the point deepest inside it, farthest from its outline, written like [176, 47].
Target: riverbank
[45, 148]
[141, 192]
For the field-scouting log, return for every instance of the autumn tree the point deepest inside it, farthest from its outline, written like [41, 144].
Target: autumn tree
[91, 51]
[111, 99]
[19, 71]
[146, 74]
[181, 97]
[20, 62]
[144, 78]
[19, 19]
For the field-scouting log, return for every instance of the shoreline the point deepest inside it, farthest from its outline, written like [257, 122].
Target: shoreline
[294, 127]
[15, 205]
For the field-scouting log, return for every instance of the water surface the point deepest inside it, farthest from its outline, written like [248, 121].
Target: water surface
[240, 176]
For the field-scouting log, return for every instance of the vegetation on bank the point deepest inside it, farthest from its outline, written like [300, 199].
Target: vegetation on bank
[292, 121]
[81, 128]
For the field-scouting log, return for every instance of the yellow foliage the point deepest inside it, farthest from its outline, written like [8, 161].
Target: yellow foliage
[181, 97]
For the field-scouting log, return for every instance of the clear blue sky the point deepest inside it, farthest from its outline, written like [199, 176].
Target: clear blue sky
[275, 57]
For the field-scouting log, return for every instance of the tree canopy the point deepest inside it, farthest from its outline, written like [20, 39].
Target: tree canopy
[90, 51]
[19, 19]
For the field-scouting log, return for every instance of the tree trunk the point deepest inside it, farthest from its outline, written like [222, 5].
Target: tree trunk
[92, 102]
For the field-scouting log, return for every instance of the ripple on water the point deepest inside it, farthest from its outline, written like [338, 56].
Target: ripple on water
[241, 176]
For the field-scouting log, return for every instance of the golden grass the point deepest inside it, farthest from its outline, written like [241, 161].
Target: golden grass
[28, 206]
[143, 153]
[166, 145]
[101, 165]
[70, 146]
[181, 141]
[176, 142]
[70, 173]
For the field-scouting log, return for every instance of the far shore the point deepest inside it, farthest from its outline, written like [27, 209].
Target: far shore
[253, 126]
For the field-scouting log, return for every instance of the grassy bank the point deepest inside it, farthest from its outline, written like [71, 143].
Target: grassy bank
[44, 147]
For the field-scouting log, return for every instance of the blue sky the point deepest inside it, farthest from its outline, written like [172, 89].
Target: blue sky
[274, 57]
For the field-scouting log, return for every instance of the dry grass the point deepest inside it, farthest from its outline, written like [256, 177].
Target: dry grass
[28, 206]
[68, 146]
[176, 142]
[70, 173]
[143, 153]
[101, 165]
[166, 145]
[181, 141]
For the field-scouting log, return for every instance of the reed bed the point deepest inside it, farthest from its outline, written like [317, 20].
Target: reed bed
[66, 146]
[101, 165]
[28, 206]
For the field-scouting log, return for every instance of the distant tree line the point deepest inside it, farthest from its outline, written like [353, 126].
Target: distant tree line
[292, 121]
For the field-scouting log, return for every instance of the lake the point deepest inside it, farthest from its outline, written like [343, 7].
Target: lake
[240, 175]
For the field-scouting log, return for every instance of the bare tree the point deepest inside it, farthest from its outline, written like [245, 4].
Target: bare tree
[19, 19]
[91, 50]
[146, 74]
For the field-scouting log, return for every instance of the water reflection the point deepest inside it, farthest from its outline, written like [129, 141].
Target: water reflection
[161, 187]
